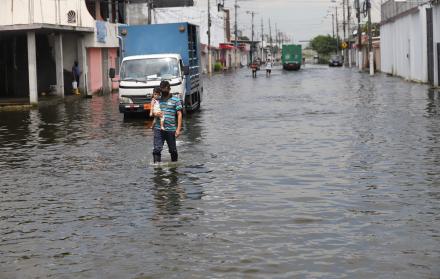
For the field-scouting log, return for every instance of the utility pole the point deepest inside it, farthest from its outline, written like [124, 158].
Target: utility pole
[252, 40]
[270, 38]
[337, 30]
[370, 39]
[333, 24]
[344, 25]
[276, 41]
[236, 33]
[359, 33]
[349, 33]
[209, 39]
[262, 39]
[343, 21]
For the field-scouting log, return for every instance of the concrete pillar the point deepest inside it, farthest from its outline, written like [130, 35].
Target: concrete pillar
[32, 64]
[371, 60]
[59, 64]
[349, 58]
[82, 63]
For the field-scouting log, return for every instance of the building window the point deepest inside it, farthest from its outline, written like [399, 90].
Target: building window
[71, 17]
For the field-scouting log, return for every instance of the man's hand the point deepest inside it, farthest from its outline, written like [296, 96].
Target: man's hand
[179, 123]
[158, 114]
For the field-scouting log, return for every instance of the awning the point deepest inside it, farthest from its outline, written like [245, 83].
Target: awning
[226, 46]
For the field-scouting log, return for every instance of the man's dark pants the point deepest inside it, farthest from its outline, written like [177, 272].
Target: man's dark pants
[160, 137]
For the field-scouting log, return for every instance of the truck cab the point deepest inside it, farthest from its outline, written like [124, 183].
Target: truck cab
[140, 74]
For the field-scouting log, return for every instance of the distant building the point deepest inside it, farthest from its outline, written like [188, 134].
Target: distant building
[40, 40]
[198, 15]
[410, 40]
[164, 3]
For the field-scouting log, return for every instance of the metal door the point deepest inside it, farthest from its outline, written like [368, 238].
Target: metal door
[430, 34]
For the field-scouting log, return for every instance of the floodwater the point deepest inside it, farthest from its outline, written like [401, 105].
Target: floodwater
[322, 173]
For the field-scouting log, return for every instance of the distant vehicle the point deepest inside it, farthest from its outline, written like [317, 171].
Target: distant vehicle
[291, 57]
[156, 52]
[335, 61]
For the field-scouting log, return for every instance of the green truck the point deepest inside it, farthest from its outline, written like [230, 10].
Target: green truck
[292, 57]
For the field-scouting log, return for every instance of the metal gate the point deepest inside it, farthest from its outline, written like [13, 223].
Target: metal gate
[430, 34]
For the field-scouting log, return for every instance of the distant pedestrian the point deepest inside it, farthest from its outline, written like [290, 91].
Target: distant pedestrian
[254, 68]
[76, 72]
[171, 110]
[155, 107]
[268, 68]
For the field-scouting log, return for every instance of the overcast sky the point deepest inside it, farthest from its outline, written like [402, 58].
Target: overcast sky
[299, 19]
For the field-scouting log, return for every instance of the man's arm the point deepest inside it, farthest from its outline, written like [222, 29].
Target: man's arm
[179, 123]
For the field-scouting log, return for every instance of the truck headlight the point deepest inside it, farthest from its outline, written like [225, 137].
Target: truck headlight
[125, 100]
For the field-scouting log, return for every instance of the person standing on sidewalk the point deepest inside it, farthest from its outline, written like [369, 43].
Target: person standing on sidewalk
[76, 75]
[171, 109]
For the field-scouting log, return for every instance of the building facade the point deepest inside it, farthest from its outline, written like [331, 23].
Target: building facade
[194, 12]
[410, 40]
[40, 41]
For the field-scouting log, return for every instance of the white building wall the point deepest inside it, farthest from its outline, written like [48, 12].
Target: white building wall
[196, 15]
[90, 39]
[436, 23]
[404, 45]
[13, 12]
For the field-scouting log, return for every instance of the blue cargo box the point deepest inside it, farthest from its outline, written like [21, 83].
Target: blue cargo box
[160, 39]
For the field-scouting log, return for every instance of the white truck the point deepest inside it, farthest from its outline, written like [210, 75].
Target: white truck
[156, 52]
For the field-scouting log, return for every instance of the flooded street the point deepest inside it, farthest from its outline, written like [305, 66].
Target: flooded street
[322, 173]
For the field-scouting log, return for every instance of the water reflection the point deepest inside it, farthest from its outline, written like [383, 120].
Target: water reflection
[433, 104]
[168, 194]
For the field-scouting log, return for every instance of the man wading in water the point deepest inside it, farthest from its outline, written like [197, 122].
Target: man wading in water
[170, 107]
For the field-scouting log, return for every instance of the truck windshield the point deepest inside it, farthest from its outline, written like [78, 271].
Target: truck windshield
[150, 69]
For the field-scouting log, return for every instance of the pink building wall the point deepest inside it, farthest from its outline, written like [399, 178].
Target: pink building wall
[95, 69]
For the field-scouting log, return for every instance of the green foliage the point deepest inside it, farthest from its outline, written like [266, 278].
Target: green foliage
[218, 67]
[323, 44]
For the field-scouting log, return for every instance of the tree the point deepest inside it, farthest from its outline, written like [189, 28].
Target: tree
[323, 44]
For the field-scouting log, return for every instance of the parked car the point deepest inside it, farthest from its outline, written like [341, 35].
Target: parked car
[336, 61]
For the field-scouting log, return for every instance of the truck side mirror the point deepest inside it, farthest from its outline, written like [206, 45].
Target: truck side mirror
[111, 73]
[186, 70]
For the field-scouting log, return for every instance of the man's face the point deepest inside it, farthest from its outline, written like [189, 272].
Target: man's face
[166, 89]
